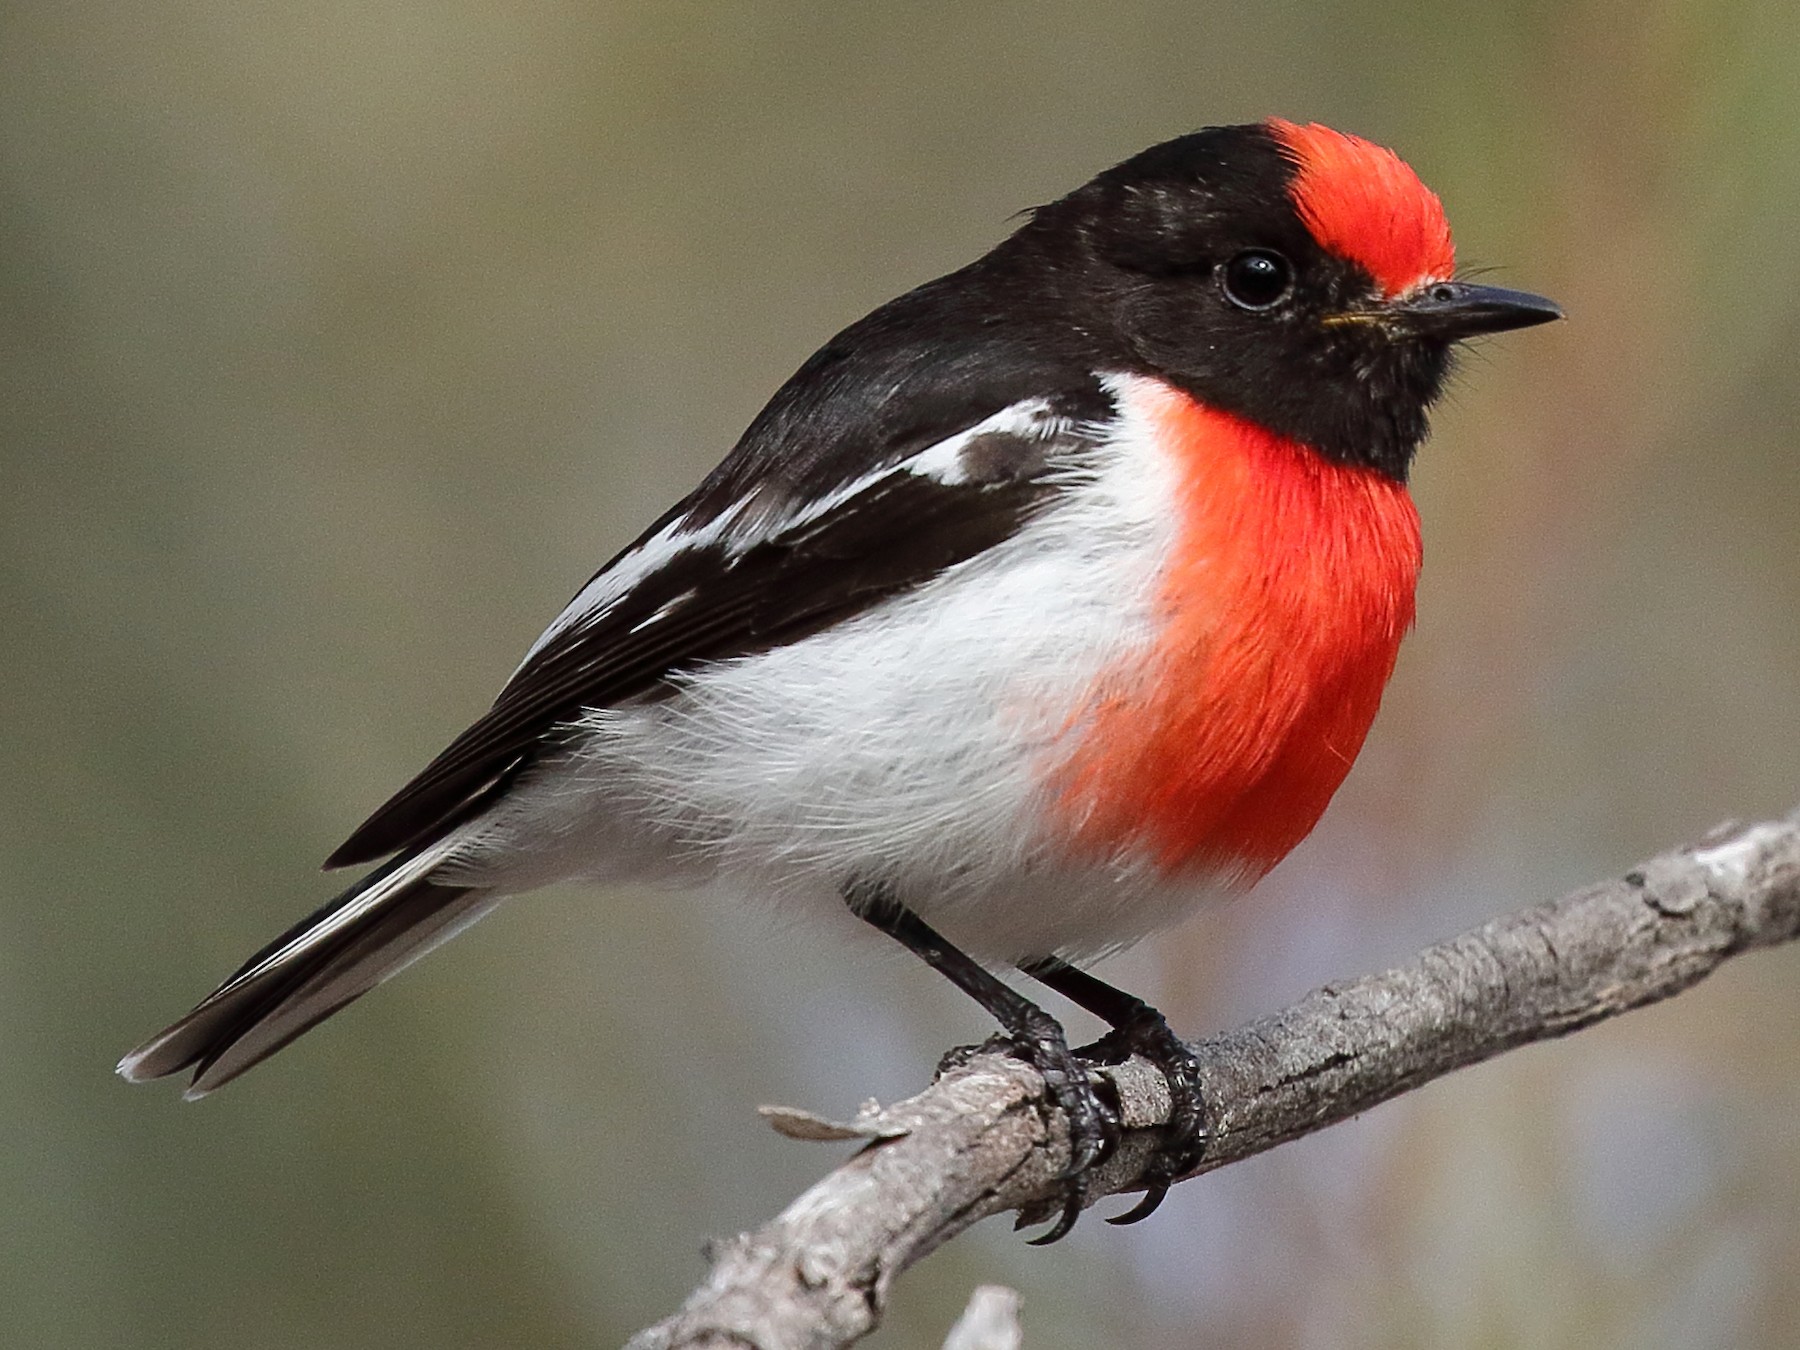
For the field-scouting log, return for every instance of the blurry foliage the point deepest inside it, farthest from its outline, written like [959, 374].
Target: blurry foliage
[339, 342]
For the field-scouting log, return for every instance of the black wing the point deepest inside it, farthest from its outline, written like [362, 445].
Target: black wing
[716, 595]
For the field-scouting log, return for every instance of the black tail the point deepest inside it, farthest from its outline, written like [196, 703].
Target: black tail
[379, 926]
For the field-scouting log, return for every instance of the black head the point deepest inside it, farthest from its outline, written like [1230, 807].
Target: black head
[1299, 277]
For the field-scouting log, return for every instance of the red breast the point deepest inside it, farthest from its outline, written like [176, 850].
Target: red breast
[1289, 587]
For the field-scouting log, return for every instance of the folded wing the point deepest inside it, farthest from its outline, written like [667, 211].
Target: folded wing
[709, 583]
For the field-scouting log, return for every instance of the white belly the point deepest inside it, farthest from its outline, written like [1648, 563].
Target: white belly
[909, 744]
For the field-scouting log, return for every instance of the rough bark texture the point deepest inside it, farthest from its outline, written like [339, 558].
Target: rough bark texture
[981, 1140]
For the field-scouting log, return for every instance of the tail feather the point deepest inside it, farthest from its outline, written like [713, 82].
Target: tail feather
[372, 931]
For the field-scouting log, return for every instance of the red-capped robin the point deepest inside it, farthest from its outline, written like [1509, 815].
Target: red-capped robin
[1040, 604]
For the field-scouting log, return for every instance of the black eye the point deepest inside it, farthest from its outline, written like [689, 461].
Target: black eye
[1257, 279]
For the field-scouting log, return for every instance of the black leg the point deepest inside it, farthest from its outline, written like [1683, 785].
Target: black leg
[1140, 1029]
[1037, 1038]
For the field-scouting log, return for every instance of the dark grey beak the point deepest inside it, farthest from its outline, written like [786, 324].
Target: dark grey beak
[1450, 310]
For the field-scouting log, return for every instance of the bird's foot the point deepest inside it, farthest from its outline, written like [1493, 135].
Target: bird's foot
[1184, 1137]
[1093, 1124]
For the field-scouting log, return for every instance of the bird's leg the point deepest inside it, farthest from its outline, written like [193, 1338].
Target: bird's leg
[1140, 1029]
[1036, 1037]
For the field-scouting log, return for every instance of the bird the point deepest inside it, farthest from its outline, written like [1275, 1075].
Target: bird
[1042, 604]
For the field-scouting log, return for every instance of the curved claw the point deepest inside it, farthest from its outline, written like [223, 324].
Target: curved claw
[1093, 1126]
[1143, 1209]
[1065, 1221]
[1138, 1028]
[1184, 1137]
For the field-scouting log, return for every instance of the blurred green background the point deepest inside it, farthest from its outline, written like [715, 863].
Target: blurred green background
[339, 342]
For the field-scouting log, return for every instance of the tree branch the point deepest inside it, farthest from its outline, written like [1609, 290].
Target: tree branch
[981, 1140]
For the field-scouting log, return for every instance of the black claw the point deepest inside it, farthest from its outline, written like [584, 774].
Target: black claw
[1093, 1126]
[1184, 1137]
[1143, 1209]
[1141, 1030]
[1074, 1197]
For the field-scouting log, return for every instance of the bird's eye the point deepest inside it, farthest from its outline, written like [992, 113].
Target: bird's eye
[1257, 279]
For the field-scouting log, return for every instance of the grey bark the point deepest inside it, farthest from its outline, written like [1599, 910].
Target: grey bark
[981, 1140]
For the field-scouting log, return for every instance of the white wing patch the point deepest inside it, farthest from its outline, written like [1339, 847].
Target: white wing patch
[609, 587]
[740, 527]
[1030, 419]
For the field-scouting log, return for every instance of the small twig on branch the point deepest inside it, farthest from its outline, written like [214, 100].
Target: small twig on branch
[982, 1140]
